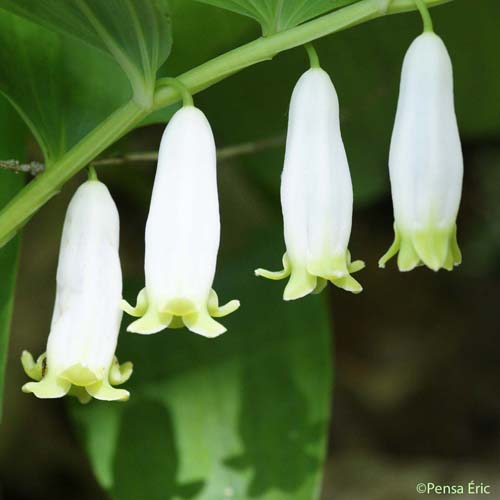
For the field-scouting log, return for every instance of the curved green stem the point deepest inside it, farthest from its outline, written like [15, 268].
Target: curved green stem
[265, 48]
[46, 185]
[187, 98]
[313, 55]
[92, 175]
[426, 17]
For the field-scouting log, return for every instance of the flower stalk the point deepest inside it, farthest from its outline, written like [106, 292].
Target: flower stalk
[426, 17]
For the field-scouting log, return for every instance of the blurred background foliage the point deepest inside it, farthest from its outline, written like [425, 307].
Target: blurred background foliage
[417, 355]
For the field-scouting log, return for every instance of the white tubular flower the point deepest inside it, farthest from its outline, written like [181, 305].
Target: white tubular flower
[316, 193]
[425, 161]
[182, 234]
[86, 320]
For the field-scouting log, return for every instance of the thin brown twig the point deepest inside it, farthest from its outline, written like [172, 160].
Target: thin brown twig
[223, 154]
[32, 168]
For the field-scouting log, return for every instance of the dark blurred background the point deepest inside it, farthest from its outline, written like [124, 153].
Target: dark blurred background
[417, 355]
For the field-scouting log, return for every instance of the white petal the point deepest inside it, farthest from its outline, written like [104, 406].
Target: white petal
[316, 193]
[316, 188]
[87, 313]
[425, 162]
[182, 233]
[183, 228]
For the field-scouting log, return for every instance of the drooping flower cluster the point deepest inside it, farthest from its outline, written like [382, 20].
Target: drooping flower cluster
[182, 241]
[426, 169]
[183, 226]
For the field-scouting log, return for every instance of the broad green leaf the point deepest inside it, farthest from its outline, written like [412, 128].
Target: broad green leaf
[211, 31]
[244, 416]
[46, 77]
[136, 33]
[12, 145]
[279, 15]
[62, 86]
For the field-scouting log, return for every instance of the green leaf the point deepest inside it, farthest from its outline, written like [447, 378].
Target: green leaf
[244, 416]
[64, 87]
[12, 145]
[46, 77]
[279, 15]
[211, 31]
[136, 33]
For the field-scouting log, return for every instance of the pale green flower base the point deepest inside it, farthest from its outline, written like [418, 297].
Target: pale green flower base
[177, 314]
[76, 381]
[313, 277]
[434, 248]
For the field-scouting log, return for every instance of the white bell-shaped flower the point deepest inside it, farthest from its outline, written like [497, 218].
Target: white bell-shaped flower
[182, 234]
[80, 358]
[425, 161]
[316, 193]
